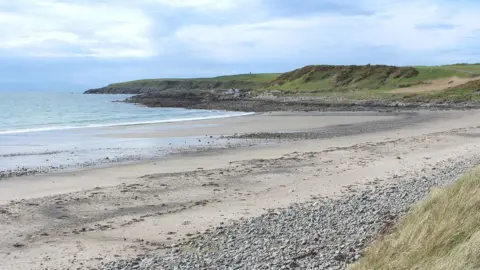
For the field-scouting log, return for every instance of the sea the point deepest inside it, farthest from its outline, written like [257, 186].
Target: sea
[54, 131]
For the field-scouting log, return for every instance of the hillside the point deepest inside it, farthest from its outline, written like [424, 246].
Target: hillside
[325, 84]
[466, 92]
[243, 81]
[341, 77]
[319, 79]
[315, 78]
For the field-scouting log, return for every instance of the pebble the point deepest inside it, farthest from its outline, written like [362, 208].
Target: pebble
[324, 233]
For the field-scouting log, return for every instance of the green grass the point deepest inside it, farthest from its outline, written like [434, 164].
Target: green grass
[475, 68]
[433, 73]
[309, 80]
[361, 78]
[340, 78]
[441, 233]
[146, 81]
[342, 82]
[373, 88]
[299, 84]
[256, 78]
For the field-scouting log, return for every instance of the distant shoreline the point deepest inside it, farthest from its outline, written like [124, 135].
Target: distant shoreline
[315, 88]
[302, 103]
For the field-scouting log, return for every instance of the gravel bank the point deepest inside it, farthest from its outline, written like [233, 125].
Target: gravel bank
[403, 119]
[326, 233]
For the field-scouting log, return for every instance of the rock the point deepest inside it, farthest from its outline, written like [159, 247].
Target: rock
[340, 257]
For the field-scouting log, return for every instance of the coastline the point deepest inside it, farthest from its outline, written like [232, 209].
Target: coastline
[169, 206]
[292, 103]
[80, 144]
[126, 124]
[151, 141]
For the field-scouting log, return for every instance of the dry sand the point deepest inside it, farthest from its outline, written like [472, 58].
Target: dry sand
[86, 218]
[435, 85]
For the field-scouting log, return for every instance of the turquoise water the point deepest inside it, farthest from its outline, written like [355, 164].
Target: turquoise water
[30, 112]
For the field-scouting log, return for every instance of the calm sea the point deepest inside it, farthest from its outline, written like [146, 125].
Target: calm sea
[30, 112]
[55, 131]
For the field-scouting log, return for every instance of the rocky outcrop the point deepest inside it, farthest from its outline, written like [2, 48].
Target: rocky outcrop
[114, 90]
[246, 103]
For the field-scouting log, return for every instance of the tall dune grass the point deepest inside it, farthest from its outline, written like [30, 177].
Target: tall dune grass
[442, 232]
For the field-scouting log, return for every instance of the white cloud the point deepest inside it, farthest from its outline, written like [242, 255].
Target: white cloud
[60, 28]
[220, 11]
[200, 4]
[393, 24]
[232, 30]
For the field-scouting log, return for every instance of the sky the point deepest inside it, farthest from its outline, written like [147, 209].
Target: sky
[81, 44]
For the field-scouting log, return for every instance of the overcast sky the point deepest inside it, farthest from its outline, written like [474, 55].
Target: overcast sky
[78, 44]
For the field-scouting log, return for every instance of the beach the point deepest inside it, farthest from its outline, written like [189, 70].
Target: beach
[175, 205]
[239, 135]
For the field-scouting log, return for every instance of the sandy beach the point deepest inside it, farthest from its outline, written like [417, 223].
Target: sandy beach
[88, 218]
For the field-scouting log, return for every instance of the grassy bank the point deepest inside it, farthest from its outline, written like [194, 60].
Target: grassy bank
[441, 233]
[320, 79]
[329, 77]
[381, 83]
[368, 82]
[259, 80]
[255, 78]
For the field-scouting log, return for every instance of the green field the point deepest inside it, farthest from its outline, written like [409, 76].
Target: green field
[261, 78]
[470, 68]
[377, 84]
[258, 77]
[373, 82]
[364, 79]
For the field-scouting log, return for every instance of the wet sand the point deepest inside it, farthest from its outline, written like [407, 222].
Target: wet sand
[263, 122]
[85, 218]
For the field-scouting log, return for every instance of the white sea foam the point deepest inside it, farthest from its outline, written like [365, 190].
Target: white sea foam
[173, 120]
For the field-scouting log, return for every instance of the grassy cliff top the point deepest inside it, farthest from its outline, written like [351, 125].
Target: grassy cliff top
[331, 77]
[353, 81]
[261, 78]
[345, 78]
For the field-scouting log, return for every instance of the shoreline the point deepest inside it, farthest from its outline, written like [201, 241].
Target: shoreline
[206, 135]
[210, 144]
[126, 124]
[168, 208]
[330, 232]
[167, 146]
